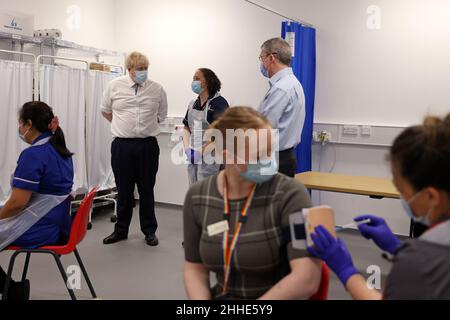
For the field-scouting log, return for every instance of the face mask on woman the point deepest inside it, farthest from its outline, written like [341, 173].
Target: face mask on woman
[196, 87]
[406, 204]
[22, 136]
[262, 171]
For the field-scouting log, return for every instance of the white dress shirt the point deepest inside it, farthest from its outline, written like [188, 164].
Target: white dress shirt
[136, 109]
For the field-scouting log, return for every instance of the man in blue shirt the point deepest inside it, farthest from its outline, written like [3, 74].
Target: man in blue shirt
[284, 103]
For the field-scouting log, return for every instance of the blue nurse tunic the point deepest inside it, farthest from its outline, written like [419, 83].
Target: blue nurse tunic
[42, 170]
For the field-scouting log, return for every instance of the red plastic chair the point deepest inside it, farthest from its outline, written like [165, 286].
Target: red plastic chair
[77, 233]
[322, 293]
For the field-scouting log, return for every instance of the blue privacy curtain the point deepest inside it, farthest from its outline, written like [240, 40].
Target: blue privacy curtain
[304, 67]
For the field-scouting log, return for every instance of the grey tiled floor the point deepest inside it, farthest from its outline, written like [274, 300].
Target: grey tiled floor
[133, 270]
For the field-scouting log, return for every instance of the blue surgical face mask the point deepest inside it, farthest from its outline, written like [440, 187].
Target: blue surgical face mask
[141, 76]
[263, 70]
[262, 171]
[406, 204]
[196, 87]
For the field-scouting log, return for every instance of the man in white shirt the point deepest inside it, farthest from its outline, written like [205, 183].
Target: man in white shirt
[135, 105]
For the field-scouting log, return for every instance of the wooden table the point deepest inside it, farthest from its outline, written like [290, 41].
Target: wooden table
[376, 188]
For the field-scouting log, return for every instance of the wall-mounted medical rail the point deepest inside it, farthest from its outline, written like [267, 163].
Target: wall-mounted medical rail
[54, 44]
[21, 54]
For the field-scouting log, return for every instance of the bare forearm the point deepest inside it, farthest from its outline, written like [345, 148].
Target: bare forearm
[291, 287]
[196, 283]
[359, 290]
[11, 209]
[302, 283]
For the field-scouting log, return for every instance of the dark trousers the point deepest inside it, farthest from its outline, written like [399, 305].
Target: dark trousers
[288, 162]
[135, 162]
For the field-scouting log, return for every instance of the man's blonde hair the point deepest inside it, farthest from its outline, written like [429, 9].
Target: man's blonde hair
[134, 59]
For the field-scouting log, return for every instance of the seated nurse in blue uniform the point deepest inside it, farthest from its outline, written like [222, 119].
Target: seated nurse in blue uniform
[44, 171]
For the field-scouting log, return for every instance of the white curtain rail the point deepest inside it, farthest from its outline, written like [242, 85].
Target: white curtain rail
[38, 64]
[22, 54]
[38, 59]
[278, 13]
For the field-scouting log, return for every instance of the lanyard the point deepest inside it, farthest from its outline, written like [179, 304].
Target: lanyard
[228, 247]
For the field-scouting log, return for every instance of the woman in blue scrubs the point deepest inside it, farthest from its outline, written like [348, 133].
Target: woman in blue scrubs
[45, 168]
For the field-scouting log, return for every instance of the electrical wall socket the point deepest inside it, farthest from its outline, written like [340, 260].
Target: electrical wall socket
[366, 131]
[324, 136]
[321, 137]
[350, 130]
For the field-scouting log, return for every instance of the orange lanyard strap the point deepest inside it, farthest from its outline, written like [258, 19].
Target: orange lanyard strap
[228, 247]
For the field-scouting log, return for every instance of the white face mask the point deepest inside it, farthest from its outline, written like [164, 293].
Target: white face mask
[22, 136]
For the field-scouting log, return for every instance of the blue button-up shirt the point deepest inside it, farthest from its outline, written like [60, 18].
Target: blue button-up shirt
[284, 106]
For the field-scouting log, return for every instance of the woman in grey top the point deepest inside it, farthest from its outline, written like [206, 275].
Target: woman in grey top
[420, 159]
[261, 263]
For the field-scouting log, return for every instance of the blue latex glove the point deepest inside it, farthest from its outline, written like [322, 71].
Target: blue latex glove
[193, 155]
[334, 252]
[379, 232]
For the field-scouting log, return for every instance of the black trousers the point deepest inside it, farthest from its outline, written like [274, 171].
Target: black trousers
[288, 162]
[135, 162]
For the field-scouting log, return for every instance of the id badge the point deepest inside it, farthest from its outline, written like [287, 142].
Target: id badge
[217, 228]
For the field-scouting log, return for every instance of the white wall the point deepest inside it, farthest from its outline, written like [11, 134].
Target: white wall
[390, 76]
[360, 161]
[180, 36]
[363, 75]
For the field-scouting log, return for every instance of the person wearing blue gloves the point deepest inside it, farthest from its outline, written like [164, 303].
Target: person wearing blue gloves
[420, 162]
[202, 111]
